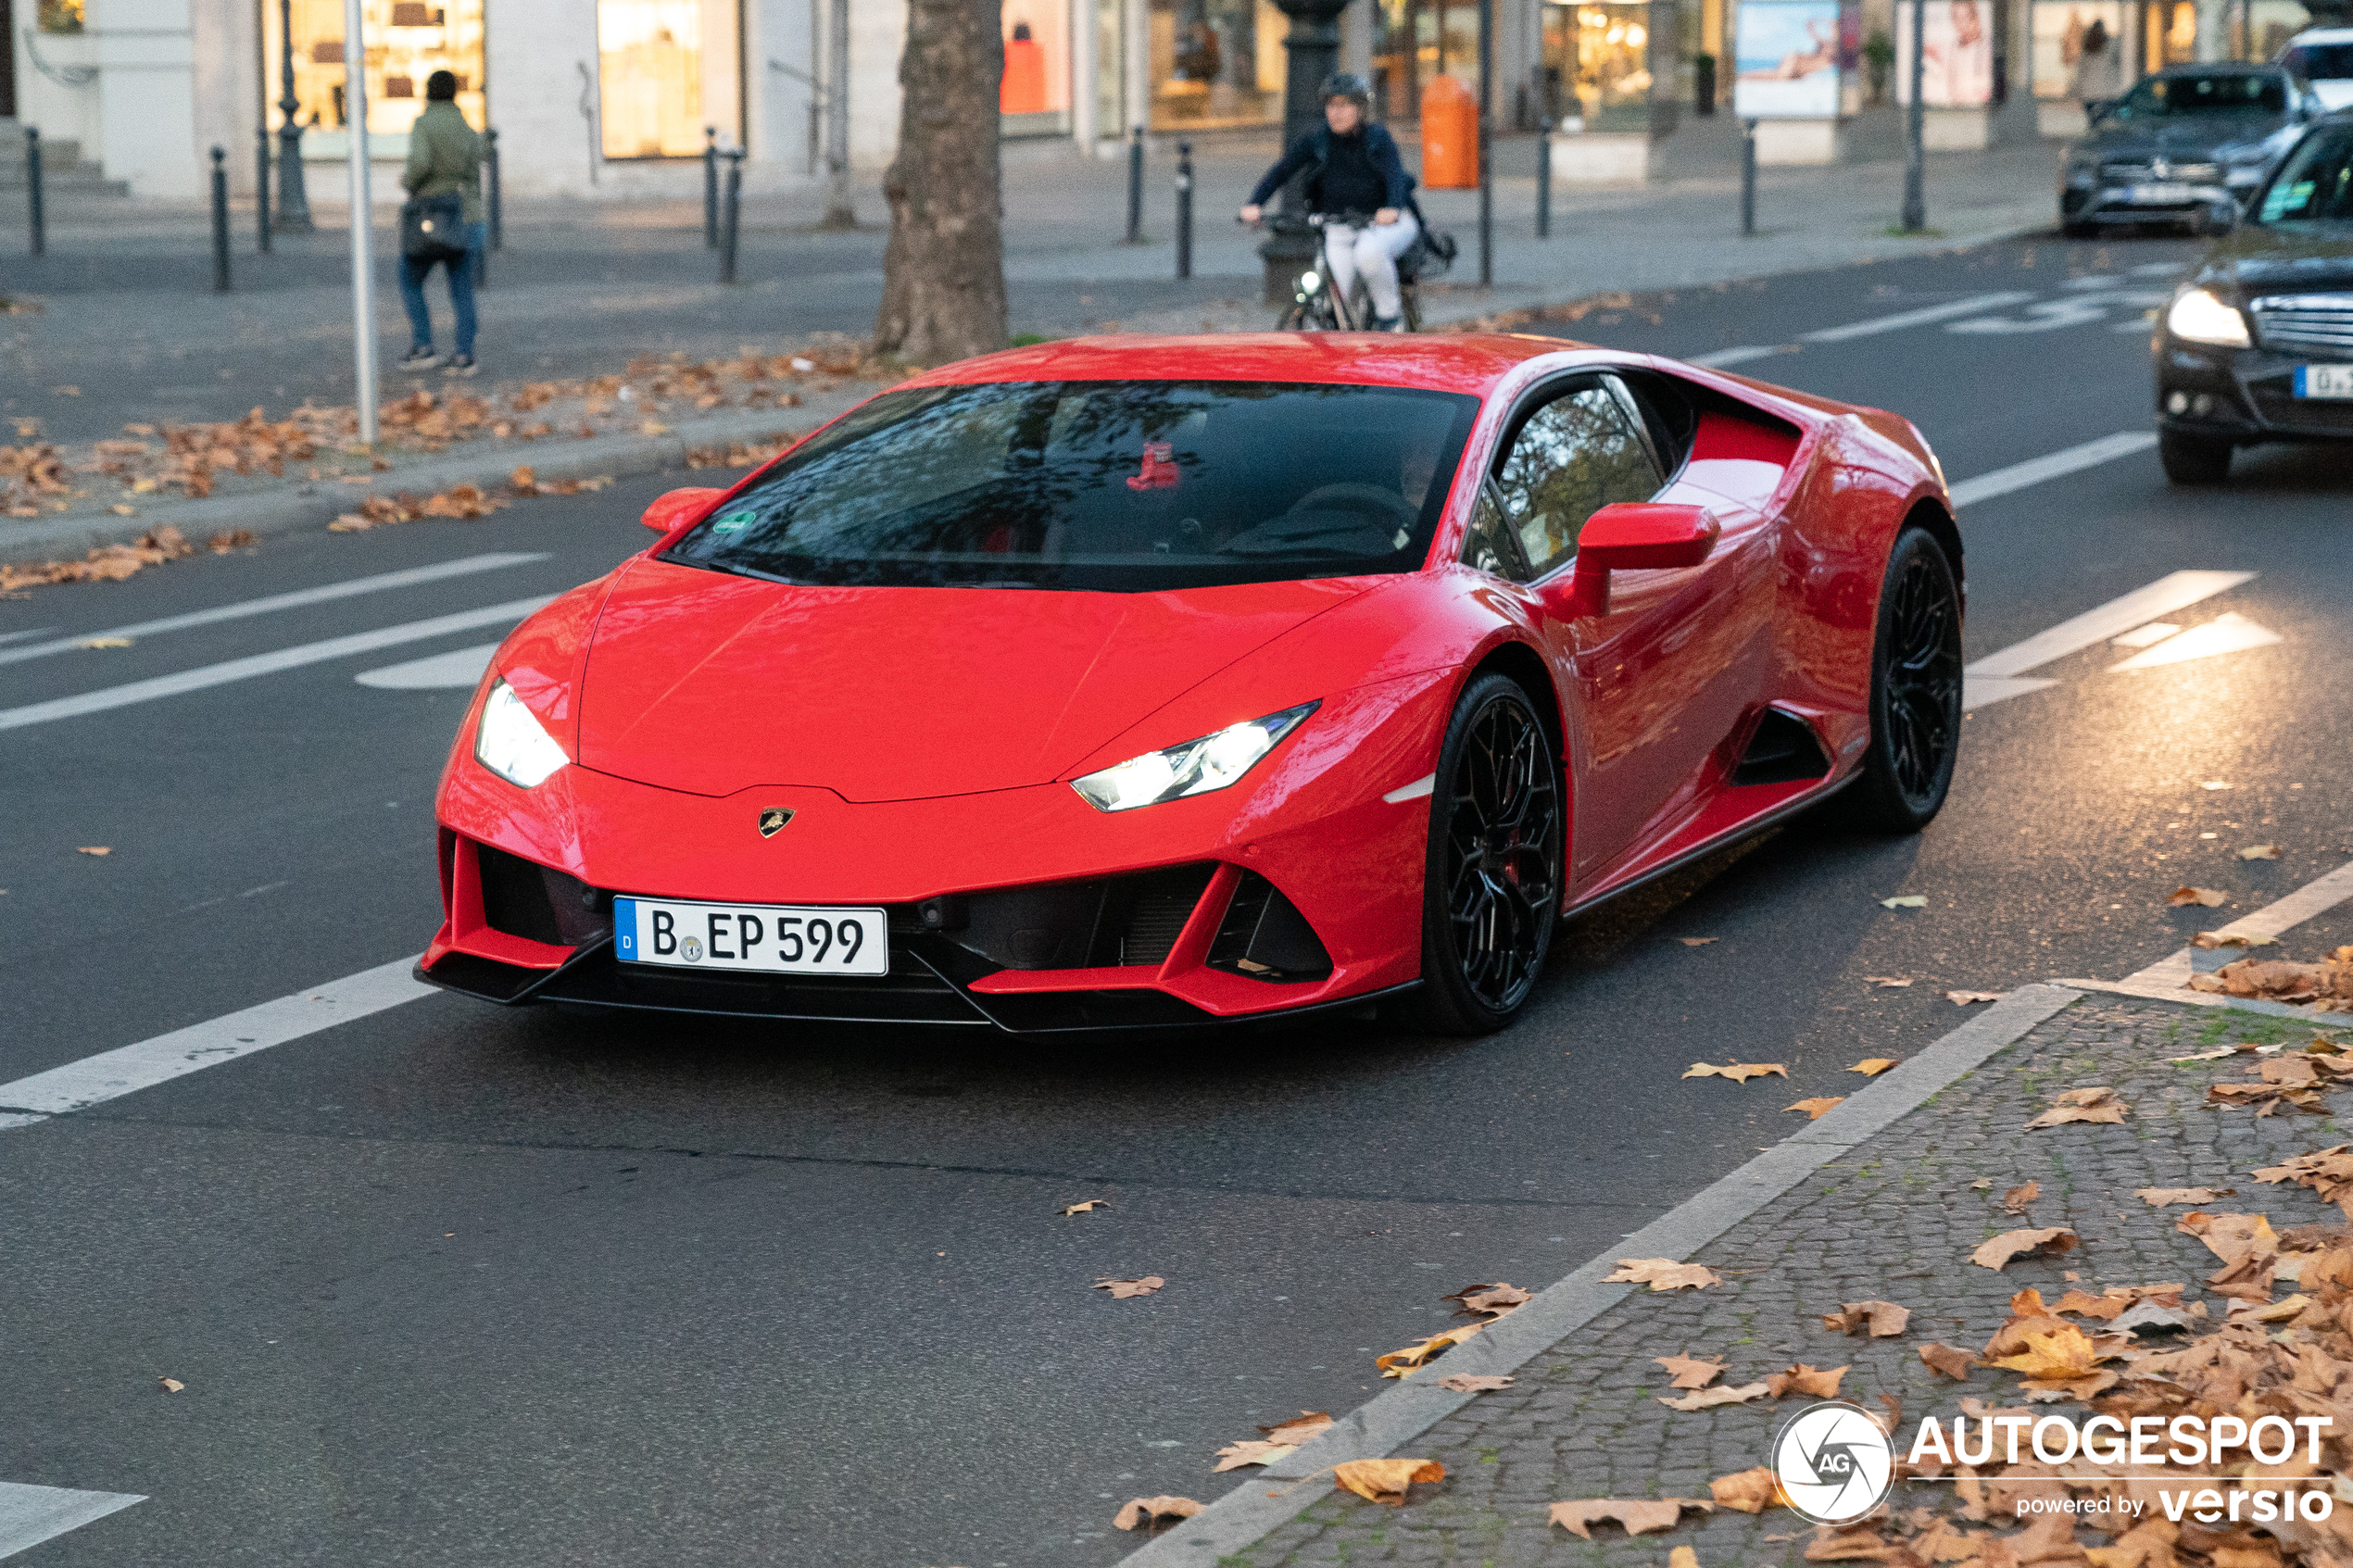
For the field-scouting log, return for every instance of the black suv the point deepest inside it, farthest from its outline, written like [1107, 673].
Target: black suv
[2258, 344]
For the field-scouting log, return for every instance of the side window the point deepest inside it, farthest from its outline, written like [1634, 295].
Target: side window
[1574, 456]
[1492, 545]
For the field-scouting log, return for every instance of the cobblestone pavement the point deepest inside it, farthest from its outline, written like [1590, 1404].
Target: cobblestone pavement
[1895, 1222]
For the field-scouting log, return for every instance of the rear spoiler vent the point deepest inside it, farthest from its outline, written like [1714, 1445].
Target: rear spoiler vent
[1782, 750]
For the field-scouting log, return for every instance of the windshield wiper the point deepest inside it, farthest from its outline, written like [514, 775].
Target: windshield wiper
[733, 569]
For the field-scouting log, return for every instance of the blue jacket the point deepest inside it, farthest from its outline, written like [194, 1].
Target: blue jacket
[1314, 150]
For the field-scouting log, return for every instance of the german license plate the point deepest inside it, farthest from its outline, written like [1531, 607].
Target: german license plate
[2160, 196]
[756, 938]
[2325, 381]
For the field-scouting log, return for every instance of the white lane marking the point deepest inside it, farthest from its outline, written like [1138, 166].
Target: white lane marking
[2045, 316]
[1984, 691]
[1414, 791]
[2052, 464]
[1724, 358]
[2227, 632]
[94, 1080]
[2174, 591]
[30, 1515]
[439, 672]
[2141, 636]
[20, 636]
[1976, 305]
[323, 593]
[2159, 270]
[2170, 976]
[265, 664]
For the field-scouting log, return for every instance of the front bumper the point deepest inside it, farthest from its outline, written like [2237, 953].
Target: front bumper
[2205, 206]
[2243, 394]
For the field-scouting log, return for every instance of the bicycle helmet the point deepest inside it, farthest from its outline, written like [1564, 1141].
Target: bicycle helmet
[1347, 84]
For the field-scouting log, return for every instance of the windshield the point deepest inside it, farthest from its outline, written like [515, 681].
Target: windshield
[2171, 97]
[1117, 486]
[2315, 185]
[2320, 62]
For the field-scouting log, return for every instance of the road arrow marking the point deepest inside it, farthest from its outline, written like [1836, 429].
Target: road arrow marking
[30, 1515]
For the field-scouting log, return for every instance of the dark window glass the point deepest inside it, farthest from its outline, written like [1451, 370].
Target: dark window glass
[1576, 455]
[2169, 97]
[2320, 62]
[2315, 185]
[1490, 545]
[1116, 486]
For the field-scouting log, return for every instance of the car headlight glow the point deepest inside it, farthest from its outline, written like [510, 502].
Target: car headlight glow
[1195, 768]
[2196, 316]
[1310, 281]
[509, 741]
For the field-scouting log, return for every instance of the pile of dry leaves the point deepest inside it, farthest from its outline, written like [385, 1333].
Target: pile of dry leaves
[112, 563]
[2328, 983]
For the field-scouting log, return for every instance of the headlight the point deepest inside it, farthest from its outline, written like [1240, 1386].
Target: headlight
[2198, 316]
[1195, 768]
[1310, 281]
[510, 743]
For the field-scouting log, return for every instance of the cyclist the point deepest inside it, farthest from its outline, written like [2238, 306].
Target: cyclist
[1353, 169]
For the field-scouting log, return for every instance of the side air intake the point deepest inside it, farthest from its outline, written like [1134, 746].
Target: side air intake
[1784, 750]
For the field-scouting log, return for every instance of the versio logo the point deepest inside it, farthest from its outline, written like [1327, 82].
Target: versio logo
[1834, 1463]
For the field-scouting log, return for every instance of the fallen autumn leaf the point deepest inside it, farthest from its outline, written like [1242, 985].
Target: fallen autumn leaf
[171, 1385]
[1997, 1252]
[2098, 1104]
[1955, 1364]
[1815, 1107]
[1663, 1273]
[2020, 1199]
[1872, 1066]
[1121, 1289]
[1708, 1398]
[1885, 981]
[1749, 1491]
[1816, 1382]
[1881, 1319]
[1086, 1208]
[1146, 1512]
[1963, 999]
[1906, 901]
[2261, 852]
[1637, 1515]
[2208, 896]
[1385, 1480]
[1688, 1371]
[2159, 1197]
[1738, 1071]
[94, 849]
[1697, 941]
[1473, 1383]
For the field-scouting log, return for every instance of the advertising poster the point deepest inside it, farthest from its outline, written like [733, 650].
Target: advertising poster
[2078, 48]
[1957, 69]
[1785, 57]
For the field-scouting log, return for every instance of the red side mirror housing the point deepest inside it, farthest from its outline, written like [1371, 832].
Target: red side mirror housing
[1636, 536]
[675, 507]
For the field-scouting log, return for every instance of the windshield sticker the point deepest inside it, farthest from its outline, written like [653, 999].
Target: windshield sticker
[736, 523]
[1160, 468]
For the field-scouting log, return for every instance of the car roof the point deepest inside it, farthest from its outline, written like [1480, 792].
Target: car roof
[2220, 67]
[1468, 362]
[2322, 35]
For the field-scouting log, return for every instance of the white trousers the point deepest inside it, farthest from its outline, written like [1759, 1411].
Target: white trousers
[1371, 251]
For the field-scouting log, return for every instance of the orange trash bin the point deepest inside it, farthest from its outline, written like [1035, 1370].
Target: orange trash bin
[1450, 136]
[1022, 88]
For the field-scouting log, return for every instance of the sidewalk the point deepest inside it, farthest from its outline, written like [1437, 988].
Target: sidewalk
[1862, 1205]
[118, 325]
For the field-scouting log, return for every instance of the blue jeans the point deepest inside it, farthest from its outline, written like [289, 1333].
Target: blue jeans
[460, 274]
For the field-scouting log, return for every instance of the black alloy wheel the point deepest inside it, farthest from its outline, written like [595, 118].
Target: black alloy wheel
[2193, 459]
[1493, 886]
[1916, 688]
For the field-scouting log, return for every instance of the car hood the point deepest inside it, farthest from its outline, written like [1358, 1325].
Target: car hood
[2202, 139]
[2260, 260]
[711, 683]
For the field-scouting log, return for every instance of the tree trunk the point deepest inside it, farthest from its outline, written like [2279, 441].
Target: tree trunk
[944, 269]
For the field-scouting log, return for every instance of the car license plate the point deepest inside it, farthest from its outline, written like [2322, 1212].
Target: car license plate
[757, 938]
[2160, 196]
[2325, 381]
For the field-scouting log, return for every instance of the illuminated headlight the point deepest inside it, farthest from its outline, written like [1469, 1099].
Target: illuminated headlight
[2243, 174]
[1195, 768]
[1311, 282]
[2198, 316]
[510, 743]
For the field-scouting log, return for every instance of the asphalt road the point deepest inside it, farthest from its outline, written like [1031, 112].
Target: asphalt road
[452, 1285]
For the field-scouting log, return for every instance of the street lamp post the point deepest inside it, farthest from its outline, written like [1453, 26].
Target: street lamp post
[1313, 47]
[293, 202]
[1914, 121]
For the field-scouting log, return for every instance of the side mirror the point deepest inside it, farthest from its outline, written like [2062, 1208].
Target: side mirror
[675, 507]
[2097, 109]
[1636, 536]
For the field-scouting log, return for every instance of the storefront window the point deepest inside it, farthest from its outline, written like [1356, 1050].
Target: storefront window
[407, 41]
[1415, 40]
[58, 16]
[1217, 63]
[1035, 96]
[2169, 33]
[666, 68]
[1613, 81]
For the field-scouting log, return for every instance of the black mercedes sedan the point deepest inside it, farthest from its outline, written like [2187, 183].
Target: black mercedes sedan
[2187, 145]
[2258, 344]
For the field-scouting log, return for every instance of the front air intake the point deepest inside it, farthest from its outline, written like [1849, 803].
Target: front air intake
[1265, 937]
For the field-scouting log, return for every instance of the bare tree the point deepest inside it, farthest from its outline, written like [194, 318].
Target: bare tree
[944, 268]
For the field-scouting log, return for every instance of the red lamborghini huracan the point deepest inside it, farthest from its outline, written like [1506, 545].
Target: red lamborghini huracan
[1154, 681]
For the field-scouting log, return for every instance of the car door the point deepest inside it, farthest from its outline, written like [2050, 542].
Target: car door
[1660, 679]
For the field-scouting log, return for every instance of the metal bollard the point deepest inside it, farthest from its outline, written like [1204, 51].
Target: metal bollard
[219, 221]
[1184, 209]
[1748, 177]
[1544, 178]
[496, 213]
[731, 226]
[40, 228]
[1136, 186]
[261, 191]
[711, 187]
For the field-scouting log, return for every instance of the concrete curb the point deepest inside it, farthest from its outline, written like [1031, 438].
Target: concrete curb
[307, 505]
[1253, 1510]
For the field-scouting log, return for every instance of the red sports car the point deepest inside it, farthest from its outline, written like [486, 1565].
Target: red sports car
[1156, 682]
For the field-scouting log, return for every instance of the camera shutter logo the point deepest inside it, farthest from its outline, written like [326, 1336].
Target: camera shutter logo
[1834, 1463]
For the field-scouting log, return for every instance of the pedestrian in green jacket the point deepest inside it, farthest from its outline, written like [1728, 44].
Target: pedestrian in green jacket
[445, 155]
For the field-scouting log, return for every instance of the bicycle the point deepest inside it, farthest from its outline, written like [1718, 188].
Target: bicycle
[1316, 306]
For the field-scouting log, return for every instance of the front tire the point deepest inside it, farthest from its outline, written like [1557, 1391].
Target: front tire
[2193, 459]
[1492, 881]
[1916, 688]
